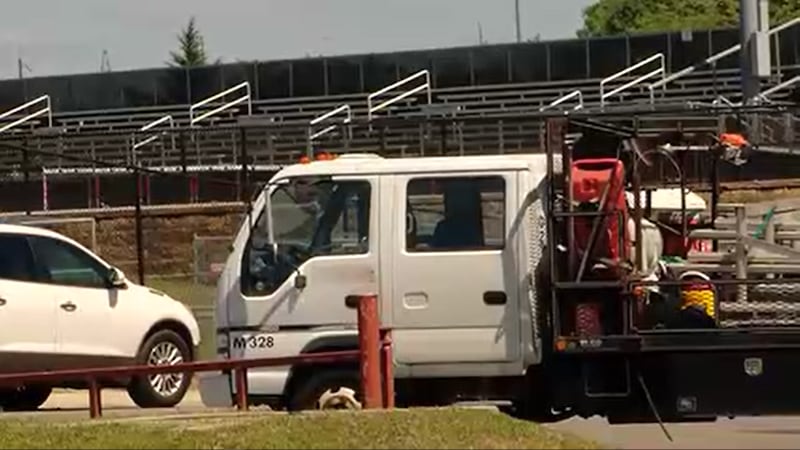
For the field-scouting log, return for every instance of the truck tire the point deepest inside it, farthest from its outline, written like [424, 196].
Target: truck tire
[26, 398]
[163, 390]
[327, 389]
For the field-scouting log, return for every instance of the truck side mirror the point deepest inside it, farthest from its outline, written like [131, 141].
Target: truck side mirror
[300, 281]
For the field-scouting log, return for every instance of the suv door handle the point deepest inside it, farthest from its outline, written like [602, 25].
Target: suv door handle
[69, 306]
[494, 298]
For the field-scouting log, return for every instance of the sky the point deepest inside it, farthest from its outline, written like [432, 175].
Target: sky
[69, 36]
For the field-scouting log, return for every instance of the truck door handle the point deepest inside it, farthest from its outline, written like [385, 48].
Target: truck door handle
[2, 301]
[69, 306]
[494, 298]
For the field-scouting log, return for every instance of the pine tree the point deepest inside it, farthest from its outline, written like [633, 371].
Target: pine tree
[192, 51]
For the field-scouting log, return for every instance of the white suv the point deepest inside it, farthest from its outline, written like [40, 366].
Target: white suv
[62, 307]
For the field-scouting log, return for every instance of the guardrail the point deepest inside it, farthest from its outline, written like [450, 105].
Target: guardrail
[244, 98]
[46, 110]
[576, 93]
[371, 110]
[377, 377]
[661, 70]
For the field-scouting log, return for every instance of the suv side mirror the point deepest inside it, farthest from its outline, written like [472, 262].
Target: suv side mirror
[116, 279]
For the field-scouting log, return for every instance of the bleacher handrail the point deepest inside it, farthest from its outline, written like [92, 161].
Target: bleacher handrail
[661, 70]
[245, 98]
[565, 98]
[316, 120]
[764, 96]
[46, 110]
[155, 123]
[717, 56]
[721, 99]
[425, 86]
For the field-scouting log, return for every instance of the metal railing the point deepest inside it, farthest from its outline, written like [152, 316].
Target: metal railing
[764, 96]
[716, 57]
[312, 135]
[244, 98]
[137, 144]
[371, 110]
[46, 110]
[661, 70]
[565, 98]
[374, 356]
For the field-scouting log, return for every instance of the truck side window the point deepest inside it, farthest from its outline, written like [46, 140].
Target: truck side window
[16, 259]
[455, 214]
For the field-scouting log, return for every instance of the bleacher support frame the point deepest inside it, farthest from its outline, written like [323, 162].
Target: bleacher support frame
[46, 110]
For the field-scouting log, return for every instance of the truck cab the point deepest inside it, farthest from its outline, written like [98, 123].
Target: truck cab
[450, 245]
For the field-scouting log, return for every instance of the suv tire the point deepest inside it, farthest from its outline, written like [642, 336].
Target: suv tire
[164, 347]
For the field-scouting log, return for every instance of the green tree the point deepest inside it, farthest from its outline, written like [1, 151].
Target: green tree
[192, 51]
[609, 17]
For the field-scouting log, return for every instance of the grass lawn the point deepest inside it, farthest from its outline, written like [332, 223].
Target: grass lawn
[428, 428]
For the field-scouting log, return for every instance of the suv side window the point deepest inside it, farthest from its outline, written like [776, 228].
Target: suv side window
[16, 258]
[455, 214]
[64, 264]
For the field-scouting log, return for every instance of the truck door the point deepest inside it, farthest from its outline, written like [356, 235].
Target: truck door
[455, 272]
[321, 228]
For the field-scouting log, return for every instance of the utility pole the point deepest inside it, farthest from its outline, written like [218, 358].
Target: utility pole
[516, 17]
[755, 54]
[21, 66]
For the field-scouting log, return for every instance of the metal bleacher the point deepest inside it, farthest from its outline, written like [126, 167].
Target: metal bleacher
[205, 135]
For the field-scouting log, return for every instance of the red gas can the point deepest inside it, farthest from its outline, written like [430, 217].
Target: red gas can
[590, 178]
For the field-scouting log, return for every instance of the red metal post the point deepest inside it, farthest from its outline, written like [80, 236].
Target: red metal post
[95, 405]
[240, 376]
[146, 190]
[387, 369]
[369, 346]
[96, 191]
[194, 188]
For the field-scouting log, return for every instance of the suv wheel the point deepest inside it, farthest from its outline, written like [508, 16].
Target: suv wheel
[331, 389]
[26, 398]
[165, 390]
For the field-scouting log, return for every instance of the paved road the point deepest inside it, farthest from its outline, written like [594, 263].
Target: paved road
[771, 432]
[756, 432]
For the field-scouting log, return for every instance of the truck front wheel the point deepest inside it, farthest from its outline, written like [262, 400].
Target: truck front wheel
[327, 389]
